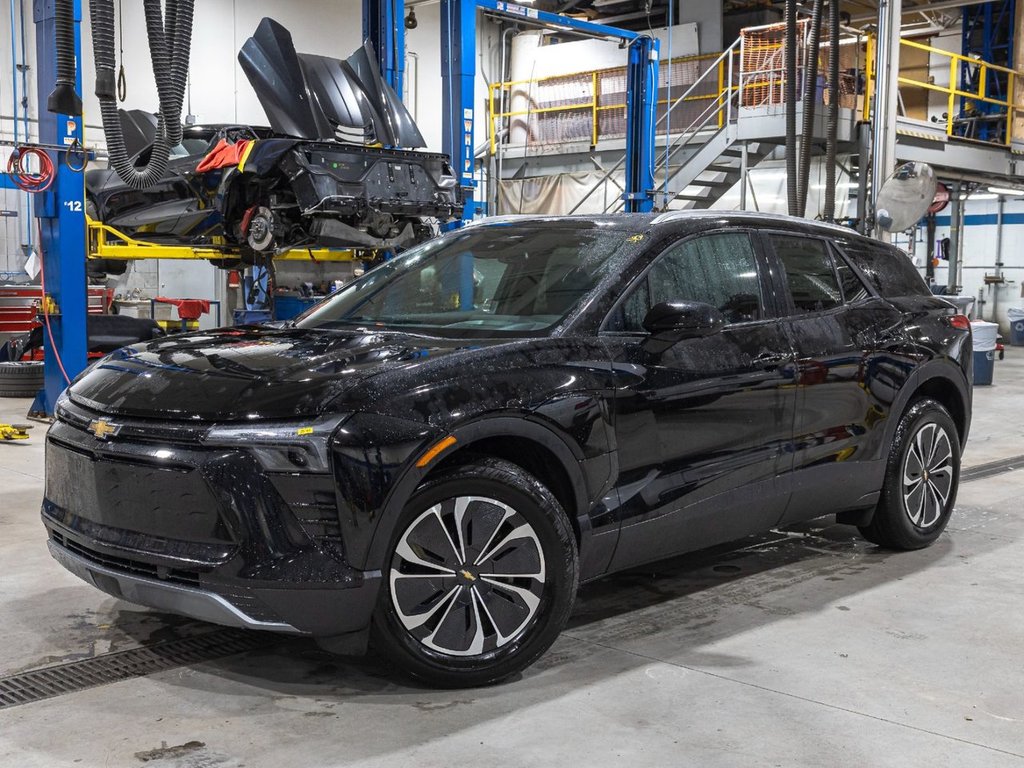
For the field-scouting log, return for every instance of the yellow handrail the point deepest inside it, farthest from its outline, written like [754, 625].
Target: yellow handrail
[955, 87]
[594, 104]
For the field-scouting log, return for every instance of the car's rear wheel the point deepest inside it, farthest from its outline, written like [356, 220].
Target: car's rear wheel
[921, 481]
[481, 576]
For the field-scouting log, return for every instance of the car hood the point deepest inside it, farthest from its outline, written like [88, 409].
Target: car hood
[322, 98]
[245, 373]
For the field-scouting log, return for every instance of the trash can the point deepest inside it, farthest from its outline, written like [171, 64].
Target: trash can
[1016, 318]
[286, 307]
[984, 367]
[985, 335]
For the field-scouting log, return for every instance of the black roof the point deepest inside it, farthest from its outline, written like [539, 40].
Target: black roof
[681, 221]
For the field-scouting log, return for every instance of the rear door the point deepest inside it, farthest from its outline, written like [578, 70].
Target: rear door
[842, 335]
[702, 430]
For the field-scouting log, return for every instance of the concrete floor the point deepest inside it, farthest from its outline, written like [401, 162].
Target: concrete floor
[801, 648]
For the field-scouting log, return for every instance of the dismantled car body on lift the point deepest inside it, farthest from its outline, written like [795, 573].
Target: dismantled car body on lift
[325, 174]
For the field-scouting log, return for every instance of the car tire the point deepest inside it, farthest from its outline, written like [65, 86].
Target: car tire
[462, 628]
[921, 480]
[21, 379]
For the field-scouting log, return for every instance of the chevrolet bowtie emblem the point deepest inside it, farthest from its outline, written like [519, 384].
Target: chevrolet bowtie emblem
[103, 428]
[468, 576]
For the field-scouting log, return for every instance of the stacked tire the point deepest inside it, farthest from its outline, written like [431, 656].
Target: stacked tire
[21, 379]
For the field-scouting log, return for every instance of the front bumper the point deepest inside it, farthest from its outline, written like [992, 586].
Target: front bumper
[163, 596]
[201, 532]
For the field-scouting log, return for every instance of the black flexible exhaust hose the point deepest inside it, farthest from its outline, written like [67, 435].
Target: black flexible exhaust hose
[792, 192]
[63, 99]
[831, 146]
[810, 93]
[170, 41]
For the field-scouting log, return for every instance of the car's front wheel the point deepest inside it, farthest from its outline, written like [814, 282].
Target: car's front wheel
[921, 481]
[481, 576]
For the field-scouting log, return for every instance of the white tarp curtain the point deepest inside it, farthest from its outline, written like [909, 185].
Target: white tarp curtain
[557, 194]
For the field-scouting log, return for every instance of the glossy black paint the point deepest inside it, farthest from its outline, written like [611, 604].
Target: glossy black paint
[651, 452]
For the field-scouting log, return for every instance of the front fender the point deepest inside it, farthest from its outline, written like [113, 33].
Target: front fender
[376, 473]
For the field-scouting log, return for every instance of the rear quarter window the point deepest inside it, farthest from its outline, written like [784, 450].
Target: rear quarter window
[888, 269]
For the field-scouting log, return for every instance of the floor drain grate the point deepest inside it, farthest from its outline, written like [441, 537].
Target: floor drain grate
[61, 679]
[992, 468]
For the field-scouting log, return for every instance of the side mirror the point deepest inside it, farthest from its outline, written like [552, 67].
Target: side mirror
[672, 321]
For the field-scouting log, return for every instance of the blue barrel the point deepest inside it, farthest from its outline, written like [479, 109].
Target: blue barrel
[287, 307]
[1017, 333]
[984, 366]
[251, 316]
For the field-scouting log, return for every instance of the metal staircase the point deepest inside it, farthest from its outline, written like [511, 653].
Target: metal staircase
[707, 157]
[713, 170]
[732, 117]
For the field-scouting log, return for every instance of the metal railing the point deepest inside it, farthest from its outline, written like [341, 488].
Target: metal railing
[960, 68]
[718, 113]
[591, 106]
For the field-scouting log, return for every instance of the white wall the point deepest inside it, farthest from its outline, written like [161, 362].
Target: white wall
[979, 254]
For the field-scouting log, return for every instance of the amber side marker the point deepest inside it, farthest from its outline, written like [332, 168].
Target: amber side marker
[433, 452]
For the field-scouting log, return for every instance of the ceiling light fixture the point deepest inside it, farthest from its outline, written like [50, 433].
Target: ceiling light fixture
[1006, 191]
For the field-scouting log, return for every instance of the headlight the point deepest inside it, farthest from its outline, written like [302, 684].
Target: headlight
[292, 446]
[60, 408]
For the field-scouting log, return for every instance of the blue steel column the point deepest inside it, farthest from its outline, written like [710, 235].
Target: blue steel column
[61, 214]
[458, 92]
[384, 26]
[641, 99]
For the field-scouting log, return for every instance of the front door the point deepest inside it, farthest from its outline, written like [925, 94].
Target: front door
[703, 430]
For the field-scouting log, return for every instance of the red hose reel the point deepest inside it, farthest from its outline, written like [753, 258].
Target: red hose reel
[19, 169]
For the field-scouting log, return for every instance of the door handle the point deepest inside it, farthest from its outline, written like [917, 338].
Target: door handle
[769, 361]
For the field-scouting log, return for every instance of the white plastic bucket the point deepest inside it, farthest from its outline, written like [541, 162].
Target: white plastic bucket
[984, 335]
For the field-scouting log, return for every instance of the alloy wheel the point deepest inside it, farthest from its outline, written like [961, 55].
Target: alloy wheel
[927, 475]
[467, 576]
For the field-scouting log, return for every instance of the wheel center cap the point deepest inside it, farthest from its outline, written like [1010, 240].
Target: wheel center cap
[924, 475]
[468, 575]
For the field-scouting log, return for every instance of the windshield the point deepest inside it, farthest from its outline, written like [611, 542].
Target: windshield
[488, 281]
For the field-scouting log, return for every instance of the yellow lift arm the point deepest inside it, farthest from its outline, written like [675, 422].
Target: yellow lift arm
[105, 242]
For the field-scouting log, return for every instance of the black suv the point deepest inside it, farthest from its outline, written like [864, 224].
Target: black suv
[436, 456]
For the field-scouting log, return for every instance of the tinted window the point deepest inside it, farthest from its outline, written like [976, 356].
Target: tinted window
[809, 273]
[853, 288]
[890, 271]
[720, 270]
[484, 280]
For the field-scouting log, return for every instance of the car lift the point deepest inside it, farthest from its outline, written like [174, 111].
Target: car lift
[106, 242]
[61, 214]
[384, 25]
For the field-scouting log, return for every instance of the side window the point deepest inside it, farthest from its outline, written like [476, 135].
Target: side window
[809, 273]
[853, 289]
[720, 270]
[890, 271]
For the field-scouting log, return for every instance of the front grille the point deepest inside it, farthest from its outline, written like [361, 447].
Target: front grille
[312, 500]
[133, 429]
[126, 565]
